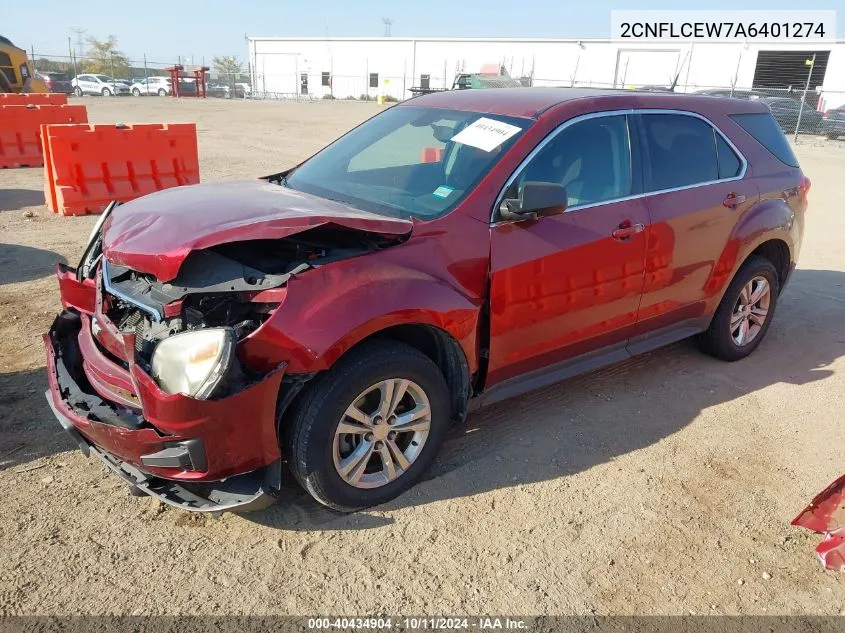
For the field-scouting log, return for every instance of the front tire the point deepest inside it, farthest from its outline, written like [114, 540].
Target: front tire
[369, 428]
[136, 92]
[106, 92]
[162, 92]
[77, 91]
[745, 313]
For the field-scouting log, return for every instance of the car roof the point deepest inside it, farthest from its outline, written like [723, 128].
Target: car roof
[533, 102]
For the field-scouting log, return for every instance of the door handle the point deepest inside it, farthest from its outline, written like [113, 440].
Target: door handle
[627, 230]
[732, 201]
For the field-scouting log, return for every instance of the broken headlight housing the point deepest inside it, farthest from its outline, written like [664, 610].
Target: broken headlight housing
[194, 363]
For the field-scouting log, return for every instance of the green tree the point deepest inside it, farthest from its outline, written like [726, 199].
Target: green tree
[228, 67]
[104, 57]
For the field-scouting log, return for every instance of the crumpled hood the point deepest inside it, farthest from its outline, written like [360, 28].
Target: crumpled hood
[155, 234]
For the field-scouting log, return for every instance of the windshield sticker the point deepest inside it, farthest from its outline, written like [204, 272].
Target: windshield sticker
[486, 134]
[443, 191]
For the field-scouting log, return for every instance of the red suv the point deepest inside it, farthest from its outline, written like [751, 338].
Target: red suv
[455, 250]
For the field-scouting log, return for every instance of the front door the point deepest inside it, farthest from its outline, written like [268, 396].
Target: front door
[566, 285]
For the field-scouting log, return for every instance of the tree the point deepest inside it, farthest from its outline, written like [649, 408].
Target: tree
[104, 57]
[227, 67]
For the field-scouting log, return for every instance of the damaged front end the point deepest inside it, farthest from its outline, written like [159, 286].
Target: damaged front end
[826, 515]
[151, 376]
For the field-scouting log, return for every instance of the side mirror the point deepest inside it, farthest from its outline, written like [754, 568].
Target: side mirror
[536, 199]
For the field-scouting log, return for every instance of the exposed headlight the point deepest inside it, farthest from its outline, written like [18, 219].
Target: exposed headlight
[193, 363]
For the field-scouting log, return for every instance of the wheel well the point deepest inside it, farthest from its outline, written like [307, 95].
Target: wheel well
[444, 351]
[777, 252]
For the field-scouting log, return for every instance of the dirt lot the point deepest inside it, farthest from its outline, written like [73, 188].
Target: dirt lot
[664, 485]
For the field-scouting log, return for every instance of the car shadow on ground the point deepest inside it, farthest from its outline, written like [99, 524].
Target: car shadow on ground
[13, 199]
[544, 435]
[25, 263]
[572, 426]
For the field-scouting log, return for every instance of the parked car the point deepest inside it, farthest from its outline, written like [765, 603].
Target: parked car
[733, 94]
[247, 89]
[455, 250]
[833, 123]
[785, 110]
[91, 84]
[216, 90]
[160, 86]
[56, 82]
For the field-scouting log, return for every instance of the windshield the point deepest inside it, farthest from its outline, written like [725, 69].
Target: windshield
[409, 161]
[104, 78]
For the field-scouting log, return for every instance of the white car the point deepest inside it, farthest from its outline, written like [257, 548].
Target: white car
[246, 88]
[160, 86]
[91, 84]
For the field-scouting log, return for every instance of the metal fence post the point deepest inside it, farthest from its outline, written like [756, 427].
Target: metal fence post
[804, 97]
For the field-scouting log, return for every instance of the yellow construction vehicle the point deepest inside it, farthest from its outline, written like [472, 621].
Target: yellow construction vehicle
[16, 71]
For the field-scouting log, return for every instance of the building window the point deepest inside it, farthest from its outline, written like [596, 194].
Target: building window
[425, 82]
[327, 79]
[373, 80]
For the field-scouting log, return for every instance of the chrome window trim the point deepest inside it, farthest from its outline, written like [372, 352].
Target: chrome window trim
[104, 269]
[627, 112]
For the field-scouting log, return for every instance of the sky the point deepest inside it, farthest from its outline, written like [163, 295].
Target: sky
[164, 31]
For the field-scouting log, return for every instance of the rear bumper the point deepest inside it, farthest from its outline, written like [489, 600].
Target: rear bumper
[203, 455]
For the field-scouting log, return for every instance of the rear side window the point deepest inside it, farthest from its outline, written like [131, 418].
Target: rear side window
[681, 151]
[763, 127]
[729, 164]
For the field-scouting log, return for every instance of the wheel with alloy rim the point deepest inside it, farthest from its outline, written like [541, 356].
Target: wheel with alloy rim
[750, 311]
[367, 429]
[745, 313]
[77, 91]
[136, 92]
[162, 92]
[381, 433]
[106, 92]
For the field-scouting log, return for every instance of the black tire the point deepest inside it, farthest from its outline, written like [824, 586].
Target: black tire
[77, 91]
[717, 340]
[136, 92]
[106, 92]
[162, 92]
[310, 431]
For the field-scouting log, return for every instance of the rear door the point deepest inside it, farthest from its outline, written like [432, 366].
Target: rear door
[696, 190]
[567, 285]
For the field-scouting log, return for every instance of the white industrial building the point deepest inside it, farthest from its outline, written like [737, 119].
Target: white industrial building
[344, 67]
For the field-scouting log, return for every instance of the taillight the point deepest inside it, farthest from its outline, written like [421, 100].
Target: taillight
[805, 189]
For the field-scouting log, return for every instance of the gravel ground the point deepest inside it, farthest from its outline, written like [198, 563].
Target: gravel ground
[664, 485]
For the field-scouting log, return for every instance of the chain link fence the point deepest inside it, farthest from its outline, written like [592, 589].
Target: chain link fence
[62, 69]
[798, 109]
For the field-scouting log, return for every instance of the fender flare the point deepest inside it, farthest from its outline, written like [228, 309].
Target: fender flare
[770, 219]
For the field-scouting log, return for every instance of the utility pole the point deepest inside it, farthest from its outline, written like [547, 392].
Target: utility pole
[70, 58]
[388, 22]
[812, 65]
[80, 41]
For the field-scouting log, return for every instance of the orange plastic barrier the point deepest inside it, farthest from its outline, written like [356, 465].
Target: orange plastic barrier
[88, 166]
[20, 126]
[44, 98]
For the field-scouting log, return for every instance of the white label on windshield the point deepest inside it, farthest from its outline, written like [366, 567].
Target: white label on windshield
[486, 134]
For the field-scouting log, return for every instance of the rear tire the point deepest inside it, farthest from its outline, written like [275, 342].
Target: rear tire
[318, 450]
[77, 91]
[743, 318]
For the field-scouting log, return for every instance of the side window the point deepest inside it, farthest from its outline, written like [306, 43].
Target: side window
[729, 163]
[591, 158]
[681, 151]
